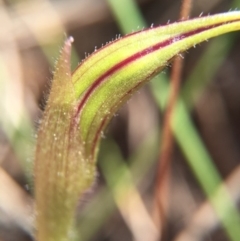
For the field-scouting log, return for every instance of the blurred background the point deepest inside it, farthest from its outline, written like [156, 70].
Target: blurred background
[119, 206]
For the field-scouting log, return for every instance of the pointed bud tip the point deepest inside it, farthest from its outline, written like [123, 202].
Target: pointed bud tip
[69, 40]
[66, 50]
[67, 44]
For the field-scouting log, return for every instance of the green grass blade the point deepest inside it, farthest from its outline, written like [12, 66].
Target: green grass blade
[127, 15]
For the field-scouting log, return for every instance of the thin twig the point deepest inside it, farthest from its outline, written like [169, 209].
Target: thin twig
[163, 175]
